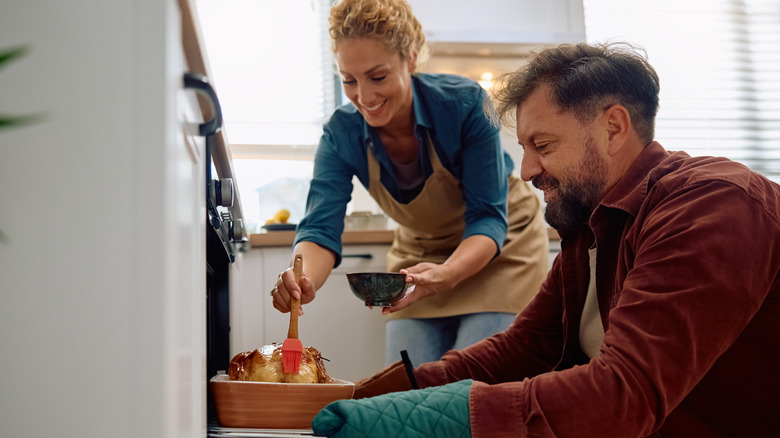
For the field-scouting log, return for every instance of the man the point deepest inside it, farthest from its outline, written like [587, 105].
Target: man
[661, 315]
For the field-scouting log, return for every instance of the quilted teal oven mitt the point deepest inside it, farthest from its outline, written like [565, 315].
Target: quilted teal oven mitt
[435, 412]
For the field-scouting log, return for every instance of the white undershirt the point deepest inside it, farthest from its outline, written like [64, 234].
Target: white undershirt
[591, 329]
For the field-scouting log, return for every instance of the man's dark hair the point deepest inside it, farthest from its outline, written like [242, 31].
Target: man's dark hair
[586, 79]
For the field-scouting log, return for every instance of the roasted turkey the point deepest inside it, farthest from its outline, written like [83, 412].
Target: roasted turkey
[265, 365]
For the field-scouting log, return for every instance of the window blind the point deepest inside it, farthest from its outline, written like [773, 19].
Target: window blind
[273, 71]
[719, 65]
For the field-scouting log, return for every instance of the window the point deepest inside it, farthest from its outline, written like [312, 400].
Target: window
[719, 64]
[272, 68]
[266, 186]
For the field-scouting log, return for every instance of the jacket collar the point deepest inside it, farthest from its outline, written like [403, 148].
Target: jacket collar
[629, 193]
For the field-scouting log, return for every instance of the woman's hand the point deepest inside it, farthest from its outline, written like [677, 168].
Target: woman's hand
[469, 257]
[317, 264]
[286, 287]
[427, 279]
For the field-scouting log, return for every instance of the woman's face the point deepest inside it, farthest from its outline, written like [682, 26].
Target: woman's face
[376, 81]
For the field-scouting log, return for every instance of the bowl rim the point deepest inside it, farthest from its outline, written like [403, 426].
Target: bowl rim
[392, 274]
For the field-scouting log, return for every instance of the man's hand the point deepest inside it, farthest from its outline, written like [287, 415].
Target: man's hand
[435, 412]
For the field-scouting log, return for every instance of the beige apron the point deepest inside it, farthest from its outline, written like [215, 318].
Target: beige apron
[430, 227]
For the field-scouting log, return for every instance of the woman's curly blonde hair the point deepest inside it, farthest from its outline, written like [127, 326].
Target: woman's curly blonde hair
[390, 22]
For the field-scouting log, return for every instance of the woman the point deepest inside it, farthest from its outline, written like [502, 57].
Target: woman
[424, 148]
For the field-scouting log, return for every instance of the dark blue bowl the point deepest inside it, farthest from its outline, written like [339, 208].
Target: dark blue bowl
[379, 289]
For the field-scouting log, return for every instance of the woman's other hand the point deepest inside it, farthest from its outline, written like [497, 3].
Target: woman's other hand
[427, 279]
[469, 257]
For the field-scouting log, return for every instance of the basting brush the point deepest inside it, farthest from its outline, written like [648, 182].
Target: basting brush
[292, 348]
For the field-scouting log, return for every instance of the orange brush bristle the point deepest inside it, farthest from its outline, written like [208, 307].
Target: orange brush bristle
[292, 352]
[292, 348]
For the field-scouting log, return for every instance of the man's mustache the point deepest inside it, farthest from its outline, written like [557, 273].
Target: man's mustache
[543, 182]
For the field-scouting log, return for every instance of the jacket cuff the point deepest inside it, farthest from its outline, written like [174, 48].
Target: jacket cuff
[485, 405]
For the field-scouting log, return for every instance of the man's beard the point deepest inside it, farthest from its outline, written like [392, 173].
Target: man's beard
[580, 193]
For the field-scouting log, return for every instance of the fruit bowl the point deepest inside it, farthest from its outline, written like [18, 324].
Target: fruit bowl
[279, 227]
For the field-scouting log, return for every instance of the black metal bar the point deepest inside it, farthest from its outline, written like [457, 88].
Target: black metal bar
[200, 83]
[409, 369]
[358, 256]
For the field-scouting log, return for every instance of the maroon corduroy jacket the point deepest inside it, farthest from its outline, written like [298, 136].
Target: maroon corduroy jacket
[689, 294]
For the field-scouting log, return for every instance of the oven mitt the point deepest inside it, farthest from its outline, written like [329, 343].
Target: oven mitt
[435, 412]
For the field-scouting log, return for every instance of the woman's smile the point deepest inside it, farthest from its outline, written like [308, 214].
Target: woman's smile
[372, 110]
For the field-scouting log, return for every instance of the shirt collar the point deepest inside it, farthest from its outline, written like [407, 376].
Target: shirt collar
[420, 114]
[630, 192]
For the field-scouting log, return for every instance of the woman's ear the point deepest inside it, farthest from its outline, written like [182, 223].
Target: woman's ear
[618, 127]
[413, 60]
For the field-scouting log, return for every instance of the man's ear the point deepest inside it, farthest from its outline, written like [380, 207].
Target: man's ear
[618, 127]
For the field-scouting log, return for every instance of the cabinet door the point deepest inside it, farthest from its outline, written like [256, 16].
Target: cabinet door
[103, 264]
[187, 237]
[350, 335]
[502, 21]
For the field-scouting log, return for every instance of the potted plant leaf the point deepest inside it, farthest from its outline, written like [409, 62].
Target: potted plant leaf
[9, 121]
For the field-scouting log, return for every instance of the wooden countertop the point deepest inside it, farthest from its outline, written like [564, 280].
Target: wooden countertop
[356, 237]
[285, 238]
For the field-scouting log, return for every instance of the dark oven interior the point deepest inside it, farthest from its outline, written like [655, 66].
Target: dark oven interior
[217, 311]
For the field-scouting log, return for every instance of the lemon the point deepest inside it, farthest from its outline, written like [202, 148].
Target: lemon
[281, 217]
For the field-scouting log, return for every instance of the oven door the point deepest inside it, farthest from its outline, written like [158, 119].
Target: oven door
[220, 244]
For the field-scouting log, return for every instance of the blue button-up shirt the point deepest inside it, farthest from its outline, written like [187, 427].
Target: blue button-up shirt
[450, 109]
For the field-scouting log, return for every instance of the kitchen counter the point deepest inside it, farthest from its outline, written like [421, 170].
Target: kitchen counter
[285, 238]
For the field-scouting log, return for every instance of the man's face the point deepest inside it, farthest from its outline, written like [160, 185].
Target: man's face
[562, 158]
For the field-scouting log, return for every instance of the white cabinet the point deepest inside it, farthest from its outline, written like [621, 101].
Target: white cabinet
[501, 21]
[102, 267]
[337, 323]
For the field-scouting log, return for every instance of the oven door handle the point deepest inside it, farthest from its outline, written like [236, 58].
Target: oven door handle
[201, 84]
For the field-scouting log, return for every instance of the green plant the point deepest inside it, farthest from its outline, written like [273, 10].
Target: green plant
[7, 56]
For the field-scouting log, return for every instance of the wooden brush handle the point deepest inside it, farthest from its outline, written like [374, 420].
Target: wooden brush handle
[295, 303]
